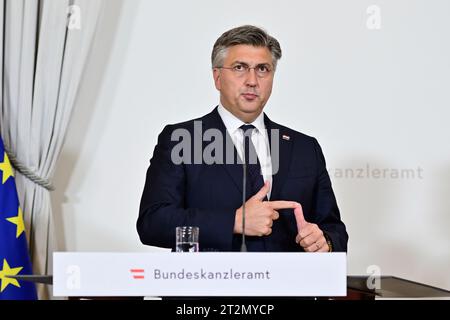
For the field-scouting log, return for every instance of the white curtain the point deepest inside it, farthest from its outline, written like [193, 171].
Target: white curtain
[44, 50]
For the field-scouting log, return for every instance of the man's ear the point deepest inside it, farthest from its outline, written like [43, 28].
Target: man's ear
[216, 76]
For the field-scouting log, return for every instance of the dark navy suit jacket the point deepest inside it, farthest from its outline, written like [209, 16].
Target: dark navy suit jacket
[207, 195]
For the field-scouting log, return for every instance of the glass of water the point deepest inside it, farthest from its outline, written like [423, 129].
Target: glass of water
[187, 239]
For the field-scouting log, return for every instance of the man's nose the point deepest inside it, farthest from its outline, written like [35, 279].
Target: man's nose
[251, 78]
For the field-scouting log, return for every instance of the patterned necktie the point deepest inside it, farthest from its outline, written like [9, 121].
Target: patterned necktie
[254, 173]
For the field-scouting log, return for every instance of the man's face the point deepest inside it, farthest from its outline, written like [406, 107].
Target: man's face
[245, 94]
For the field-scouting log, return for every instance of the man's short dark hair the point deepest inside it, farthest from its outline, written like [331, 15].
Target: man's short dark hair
[249, 35]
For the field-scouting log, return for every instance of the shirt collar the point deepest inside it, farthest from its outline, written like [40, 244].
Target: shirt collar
[232, 123]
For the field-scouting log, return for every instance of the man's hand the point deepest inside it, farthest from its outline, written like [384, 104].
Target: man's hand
[259, 214]
[309, 236]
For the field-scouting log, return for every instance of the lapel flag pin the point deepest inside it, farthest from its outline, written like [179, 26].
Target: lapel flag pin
[285, 137]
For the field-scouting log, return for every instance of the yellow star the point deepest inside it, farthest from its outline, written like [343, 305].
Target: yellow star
[18, 221]
[5, 166]
[7, 271]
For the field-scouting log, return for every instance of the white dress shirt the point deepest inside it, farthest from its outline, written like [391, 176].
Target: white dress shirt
[259, 138]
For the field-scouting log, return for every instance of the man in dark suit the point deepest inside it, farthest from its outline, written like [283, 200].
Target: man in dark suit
[195, 177]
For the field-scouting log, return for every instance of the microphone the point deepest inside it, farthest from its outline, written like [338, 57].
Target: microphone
[244, 184]
[244, 193]
[246, 158]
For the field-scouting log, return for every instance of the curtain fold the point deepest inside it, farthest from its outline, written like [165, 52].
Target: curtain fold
[43, 53]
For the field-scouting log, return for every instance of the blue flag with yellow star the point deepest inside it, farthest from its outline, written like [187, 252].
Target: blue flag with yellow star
[14, 258]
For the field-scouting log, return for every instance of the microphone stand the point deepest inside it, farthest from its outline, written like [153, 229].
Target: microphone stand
[244, 192]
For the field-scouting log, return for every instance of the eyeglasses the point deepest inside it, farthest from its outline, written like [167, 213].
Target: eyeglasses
[241, 69]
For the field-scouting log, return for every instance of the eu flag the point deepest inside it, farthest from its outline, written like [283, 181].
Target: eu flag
[14, 258]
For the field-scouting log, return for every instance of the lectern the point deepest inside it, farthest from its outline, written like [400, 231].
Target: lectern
[121, 275]
[391, 287]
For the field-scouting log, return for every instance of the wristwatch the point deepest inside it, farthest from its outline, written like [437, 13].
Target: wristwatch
[330, 244]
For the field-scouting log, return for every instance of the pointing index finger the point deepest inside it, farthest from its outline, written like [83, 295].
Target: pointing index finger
[281, 204]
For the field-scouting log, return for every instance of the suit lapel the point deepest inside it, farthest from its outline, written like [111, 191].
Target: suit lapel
[234, 170]
[284, 157]
[213, 120]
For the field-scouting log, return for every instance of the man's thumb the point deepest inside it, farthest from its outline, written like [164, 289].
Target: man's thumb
[262, 193]
[301, 222]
